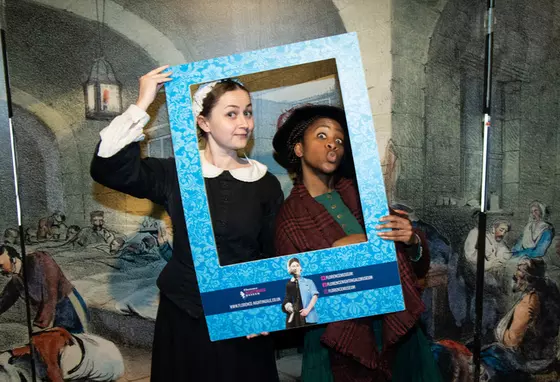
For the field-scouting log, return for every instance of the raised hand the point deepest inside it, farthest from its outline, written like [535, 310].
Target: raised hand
[149, 85]
[401, 228]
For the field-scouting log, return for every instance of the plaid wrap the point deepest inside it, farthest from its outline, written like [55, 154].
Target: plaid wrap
[304, 225]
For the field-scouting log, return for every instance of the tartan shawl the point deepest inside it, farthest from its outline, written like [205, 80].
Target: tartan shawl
[302, 225]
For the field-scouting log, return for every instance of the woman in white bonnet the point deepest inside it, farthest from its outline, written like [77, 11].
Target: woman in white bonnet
[537, 235]
[243, 198]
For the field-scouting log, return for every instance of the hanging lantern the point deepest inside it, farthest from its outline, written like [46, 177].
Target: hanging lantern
[102, 92]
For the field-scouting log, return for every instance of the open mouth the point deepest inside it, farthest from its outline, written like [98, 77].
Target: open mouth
[332, 156]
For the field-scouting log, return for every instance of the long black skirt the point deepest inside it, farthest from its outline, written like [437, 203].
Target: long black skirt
[183, 352]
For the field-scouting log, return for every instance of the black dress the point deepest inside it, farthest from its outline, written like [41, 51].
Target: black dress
[243, 216]
[293, 296]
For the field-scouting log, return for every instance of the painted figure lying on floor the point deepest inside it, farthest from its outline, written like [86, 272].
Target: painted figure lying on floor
[52, 227]
[97, 233]
[54, 298]
[62, 356]
[455, 361]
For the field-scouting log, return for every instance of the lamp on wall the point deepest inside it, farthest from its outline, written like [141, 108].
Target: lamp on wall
[102, 90]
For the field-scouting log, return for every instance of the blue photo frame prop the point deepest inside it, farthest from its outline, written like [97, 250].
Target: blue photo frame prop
[353, 281]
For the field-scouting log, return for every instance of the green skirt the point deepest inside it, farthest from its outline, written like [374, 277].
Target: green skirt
[316, 365]
[414, 361]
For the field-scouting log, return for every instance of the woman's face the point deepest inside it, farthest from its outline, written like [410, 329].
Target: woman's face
[230, 122]
[322, 147]
[536, 213]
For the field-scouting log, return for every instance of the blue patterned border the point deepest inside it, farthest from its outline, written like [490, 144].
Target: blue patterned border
[211, 277]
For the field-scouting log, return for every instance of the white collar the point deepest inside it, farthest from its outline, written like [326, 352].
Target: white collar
[248, 174]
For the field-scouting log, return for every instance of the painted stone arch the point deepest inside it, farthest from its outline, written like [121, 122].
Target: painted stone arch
[65, 141]
[524, 106]
[413, 28]
[156, 44]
